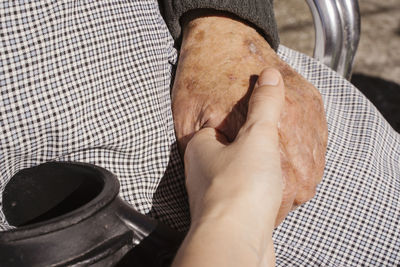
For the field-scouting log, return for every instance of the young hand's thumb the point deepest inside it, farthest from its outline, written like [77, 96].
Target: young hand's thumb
[267, 99]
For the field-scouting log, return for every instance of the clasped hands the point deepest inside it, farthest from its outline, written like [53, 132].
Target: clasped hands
[253, 135]
[220, 60]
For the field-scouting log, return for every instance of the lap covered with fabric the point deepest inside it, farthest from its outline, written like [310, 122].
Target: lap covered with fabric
[89, 82]
[352, 220]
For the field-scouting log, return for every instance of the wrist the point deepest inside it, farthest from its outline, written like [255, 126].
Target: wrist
[220, 26]
[255, 214]
[205, 18]
[230, 233]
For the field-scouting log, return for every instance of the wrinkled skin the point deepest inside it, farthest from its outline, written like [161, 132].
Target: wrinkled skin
[219, 63]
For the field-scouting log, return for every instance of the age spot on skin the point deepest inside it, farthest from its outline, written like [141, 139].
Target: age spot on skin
[231, 77]
[252, 48]
[255, 51]
[287, 72]
[245, 83]
[199, 36]
[190, 84]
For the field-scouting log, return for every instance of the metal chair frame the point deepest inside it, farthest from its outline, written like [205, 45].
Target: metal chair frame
[337, 33]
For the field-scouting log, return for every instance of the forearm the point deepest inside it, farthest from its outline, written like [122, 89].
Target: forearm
[218, 243]
[229, 239]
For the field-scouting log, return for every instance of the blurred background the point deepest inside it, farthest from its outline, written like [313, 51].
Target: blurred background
[376, 70]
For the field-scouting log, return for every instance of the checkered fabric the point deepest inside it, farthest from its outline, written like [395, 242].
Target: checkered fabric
[89, 81]
[354, 220]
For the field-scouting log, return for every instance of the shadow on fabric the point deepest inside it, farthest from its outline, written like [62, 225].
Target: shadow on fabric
[384, 94]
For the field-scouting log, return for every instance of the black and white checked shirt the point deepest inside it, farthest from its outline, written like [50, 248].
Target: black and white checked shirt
[89, 81]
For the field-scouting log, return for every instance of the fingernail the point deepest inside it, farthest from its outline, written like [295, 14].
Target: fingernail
[269, 77]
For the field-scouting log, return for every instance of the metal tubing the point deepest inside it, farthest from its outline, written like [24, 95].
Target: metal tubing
[350, 18]
[337, 33]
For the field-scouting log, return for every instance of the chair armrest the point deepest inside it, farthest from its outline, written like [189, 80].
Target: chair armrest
[337, 33]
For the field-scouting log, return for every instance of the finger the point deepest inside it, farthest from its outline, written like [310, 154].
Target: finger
[182, 143]
[204, 142]
[184, 126]
[305, 194]
[267, 99]
[289, 191]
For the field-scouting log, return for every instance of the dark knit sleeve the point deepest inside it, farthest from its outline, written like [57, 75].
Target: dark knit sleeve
[258, 13]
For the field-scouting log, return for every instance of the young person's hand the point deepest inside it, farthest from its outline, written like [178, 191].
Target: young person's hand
[235, 189]
[219, 60]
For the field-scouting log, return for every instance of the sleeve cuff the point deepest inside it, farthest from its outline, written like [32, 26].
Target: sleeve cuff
[259, 13]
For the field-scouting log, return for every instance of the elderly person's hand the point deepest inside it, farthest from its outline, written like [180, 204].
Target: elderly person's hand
[219, 60]
[235, 189]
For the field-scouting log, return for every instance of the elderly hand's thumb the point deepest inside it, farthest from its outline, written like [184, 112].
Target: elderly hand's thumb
[267, 99]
